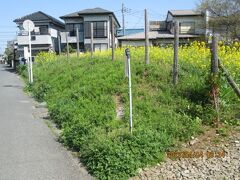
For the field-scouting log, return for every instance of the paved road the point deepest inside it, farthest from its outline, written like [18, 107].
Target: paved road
[28, 149]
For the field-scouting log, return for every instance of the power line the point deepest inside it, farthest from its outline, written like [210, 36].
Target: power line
[156, 13]
[140, 20]
[118, 11]
[8, 27]
[7, 32]
[136, 12]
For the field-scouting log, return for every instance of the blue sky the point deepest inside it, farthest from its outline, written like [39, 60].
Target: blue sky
[12, 9]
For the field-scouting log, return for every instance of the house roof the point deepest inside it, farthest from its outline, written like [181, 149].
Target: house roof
[86, 12]
[185, 13]
[155, 35]
[90, 12]
[39, 16]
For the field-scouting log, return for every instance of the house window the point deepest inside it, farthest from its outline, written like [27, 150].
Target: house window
[43, 30]
[187, 27]
[99, 29]
[71, 28]
[33, 36]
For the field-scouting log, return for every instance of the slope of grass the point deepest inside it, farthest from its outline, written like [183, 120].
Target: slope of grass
[80, 95]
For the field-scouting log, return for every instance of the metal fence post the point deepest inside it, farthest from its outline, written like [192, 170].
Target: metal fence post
[127, 51]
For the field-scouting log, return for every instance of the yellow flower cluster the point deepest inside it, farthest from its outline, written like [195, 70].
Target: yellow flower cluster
[197, 54]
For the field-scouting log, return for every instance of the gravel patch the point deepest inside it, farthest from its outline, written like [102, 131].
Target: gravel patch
[220, 161]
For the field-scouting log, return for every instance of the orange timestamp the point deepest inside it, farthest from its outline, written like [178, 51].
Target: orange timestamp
[195, 154]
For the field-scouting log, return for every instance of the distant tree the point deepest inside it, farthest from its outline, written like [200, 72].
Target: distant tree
[9, 54]
[224, 16]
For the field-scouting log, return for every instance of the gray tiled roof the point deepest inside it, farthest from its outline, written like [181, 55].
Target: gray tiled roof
[88, 11]
[39, 16]
[185, 12]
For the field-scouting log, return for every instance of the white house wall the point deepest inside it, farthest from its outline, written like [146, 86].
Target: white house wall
[199, 23]
[53, 32]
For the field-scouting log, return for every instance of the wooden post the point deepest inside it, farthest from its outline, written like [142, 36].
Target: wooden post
[214, 59]
[215, 77]
[67, 44]
[175, 60]
[113, 38]
[91, 40]
[77, 34]
[230, 80]
[59, 44]
[146, 38]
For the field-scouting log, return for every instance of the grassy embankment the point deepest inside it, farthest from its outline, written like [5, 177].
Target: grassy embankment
[81, 96]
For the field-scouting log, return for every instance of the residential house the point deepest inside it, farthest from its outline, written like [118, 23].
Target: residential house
[45, 35]
[82, 20]
[192, 26]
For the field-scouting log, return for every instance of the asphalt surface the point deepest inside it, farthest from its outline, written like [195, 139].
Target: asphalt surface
[28, 148]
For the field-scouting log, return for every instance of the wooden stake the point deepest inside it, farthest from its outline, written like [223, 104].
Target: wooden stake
[214, 60]
[59, 45]
[77, 34]
[67, 45]
[175, 60]
[113, 38]
[146, 38]
[215, 77]
[91, 40]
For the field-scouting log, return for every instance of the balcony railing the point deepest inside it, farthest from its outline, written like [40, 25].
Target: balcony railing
[37, 39]
[71, 39]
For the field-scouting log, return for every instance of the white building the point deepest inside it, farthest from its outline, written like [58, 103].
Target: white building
[192, 26]
[45, 35]
[81, 20]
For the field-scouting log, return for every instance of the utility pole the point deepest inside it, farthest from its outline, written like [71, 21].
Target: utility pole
[77, 33]
[123, 18]
[124, 10]
[91, 40]
[113, 38]
[146, 38]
